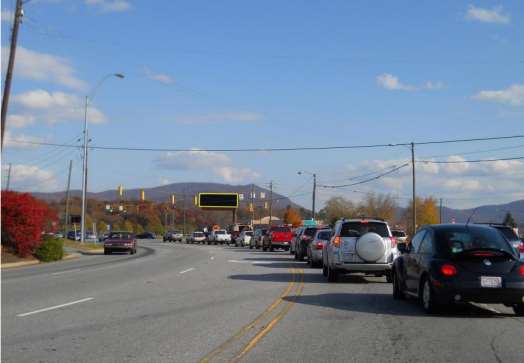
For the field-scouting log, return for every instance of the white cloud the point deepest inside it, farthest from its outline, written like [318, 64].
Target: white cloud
[198, 160]
[159, 77]
[45, 67]
[20, 141]
[494, 15]
[20, 121]
[30, 177]
[465, 185]
[514, 95]
[110, 5]
[223, 117]
[164, 181]
[7, 16]
[54, 107]
[393, 83]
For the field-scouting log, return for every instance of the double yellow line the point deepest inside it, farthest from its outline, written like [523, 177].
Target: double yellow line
[266, 328]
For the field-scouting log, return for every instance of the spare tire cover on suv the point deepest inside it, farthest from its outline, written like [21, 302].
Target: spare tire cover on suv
[370, 247]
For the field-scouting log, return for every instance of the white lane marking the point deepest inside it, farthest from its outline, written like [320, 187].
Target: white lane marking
[212, 257]
[55, 307]
[251, 262]
[66, 271]
[189, 269]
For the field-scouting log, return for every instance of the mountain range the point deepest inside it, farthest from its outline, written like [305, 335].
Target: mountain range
[485, 213]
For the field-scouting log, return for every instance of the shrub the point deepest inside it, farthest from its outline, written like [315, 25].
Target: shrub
[51, 249]
[23, 219]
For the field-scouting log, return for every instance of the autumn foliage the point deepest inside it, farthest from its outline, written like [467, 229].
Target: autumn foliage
[292, 216]
[23, 219]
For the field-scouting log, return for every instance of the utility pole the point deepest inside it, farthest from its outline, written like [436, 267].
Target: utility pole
[184, 215]
[10, 65]
[84, 180]
[66, 221]
[440, 211]
[252, 204]
[314, 194]
[414, 208]
[270, 202]
[8, 176]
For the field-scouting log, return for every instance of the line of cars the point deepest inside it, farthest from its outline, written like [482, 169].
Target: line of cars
[442, 264]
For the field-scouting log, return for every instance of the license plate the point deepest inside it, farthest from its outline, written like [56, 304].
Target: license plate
[491, 281]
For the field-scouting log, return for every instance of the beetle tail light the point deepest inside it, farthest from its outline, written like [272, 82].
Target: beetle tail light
[448, 270]
[393, 242]
[521, 247]
[521, 270]
[319, 245]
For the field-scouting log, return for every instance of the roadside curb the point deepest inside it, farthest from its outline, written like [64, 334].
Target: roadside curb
[18, 264]
[69, 256]
[97, 252]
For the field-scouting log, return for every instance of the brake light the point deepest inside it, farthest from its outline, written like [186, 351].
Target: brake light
[319, 245]
[521, 247]
[393, 242]
[448, 270]
[521, 270]
[364, 221]
[483, 254]
[336, 241]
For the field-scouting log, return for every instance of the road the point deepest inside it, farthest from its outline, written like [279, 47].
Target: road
[191, 303]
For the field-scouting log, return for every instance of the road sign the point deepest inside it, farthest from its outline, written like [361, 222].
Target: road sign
[309, 222]
[218, 200]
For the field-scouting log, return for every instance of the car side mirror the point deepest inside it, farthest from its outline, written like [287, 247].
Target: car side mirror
[403, 247]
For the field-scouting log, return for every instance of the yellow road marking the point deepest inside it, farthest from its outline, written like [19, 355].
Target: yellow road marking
[253, 342]
[250, 326]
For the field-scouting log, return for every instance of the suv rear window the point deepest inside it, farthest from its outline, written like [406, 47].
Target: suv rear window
[249, 233]
[324, 235]
[357, 229]
[198, 234]
[280, 229]
[119, 235]
[220, 232]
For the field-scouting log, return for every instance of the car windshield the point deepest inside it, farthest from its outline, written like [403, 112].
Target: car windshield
[250, 233]
[176, 232]
[398, 233]
[460, 239]
[509, 233]
[324, 235]
[310, 232]
[198, 234]
[280, 229]
[220, 232]
[357, 229]
[120, 235]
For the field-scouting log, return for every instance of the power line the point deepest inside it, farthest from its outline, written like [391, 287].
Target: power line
[367, 180]
[467, 161]
[268, 149]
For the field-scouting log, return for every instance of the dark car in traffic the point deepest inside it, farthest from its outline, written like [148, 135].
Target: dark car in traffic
[455, 263]
[146, 235]
[511, 236]
[120, 242]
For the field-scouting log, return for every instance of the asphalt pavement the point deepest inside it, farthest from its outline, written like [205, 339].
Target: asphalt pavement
[174, 302]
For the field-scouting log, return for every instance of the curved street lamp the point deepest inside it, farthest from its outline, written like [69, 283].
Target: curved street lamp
[89, 97]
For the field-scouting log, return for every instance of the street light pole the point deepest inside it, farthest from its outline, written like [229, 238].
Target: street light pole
[86, 140]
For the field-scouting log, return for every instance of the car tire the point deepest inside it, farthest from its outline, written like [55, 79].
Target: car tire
[427, 297]
[398, 290]
[332, 274]
[107, 252]
[324, 270]
[519, 309]
[389, 277]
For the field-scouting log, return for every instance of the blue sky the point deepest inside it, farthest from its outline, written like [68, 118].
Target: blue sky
[207, 74]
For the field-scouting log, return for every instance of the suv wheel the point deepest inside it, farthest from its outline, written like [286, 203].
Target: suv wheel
[324, 270]
[389, 277]
[332, 274]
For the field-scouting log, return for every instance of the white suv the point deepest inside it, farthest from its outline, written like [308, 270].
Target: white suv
[359, 245]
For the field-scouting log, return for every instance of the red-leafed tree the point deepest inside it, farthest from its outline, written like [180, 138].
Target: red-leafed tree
[23, 219]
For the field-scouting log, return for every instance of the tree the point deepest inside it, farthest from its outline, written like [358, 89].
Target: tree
[292, 216]
[101, 227]
[427, 212]
[509, 220]
[23, 219]
[127, 226]
[379, 205]
[336, 208]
